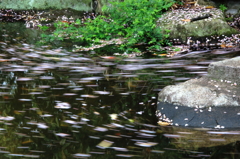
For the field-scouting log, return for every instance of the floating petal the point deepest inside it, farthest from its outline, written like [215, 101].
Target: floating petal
[81, 155]
[102, 129]
[62, 134]
[63, 105]
[105, 144]
[146, 144]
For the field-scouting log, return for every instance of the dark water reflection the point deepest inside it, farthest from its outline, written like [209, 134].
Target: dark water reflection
[58, 104]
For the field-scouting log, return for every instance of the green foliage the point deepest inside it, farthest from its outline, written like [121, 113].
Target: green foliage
[222, 7]
[229, 19]
[176, 49]
[43, 28]
[179, 2]
[134, 20]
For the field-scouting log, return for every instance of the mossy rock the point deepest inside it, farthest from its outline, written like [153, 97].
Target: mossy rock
[215, 25]
[83, 5]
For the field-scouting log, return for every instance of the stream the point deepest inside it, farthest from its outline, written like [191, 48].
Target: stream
[59, 104]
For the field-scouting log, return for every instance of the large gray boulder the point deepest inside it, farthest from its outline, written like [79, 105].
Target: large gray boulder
[198, 93]
[211, 101]
[218, 88]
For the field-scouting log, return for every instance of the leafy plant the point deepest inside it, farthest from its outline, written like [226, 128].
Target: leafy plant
[44, 28]
[179, 2]
[229, 19]
[222, 7]
[135, 20]
[176, 49]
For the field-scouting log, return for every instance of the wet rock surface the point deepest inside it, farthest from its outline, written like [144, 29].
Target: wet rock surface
[211, 117]
[202, 92]
[210, 101]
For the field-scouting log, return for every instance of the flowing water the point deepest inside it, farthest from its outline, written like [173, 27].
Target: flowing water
[58, 104]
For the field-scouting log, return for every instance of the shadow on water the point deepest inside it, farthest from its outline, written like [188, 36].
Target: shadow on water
[17, 32]
[58, 104]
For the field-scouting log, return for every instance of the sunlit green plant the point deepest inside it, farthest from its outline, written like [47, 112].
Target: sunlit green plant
[134, 20]
[222, 7]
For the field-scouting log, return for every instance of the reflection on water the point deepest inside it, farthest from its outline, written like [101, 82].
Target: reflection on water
[59, 104]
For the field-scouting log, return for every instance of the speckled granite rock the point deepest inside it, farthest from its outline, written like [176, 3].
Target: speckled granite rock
[219, 88]
[198, 93]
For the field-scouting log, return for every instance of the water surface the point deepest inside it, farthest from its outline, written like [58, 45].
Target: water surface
[58, 104]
